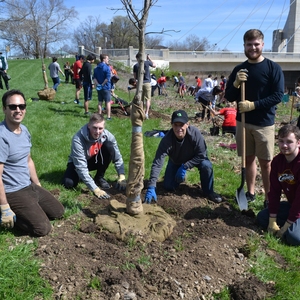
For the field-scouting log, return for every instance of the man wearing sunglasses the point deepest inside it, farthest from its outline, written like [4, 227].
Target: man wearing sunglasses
[23, 202]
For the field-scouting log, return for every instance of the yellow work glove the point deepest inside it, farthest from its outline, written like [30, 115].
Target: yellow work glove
[100, 193]
[283, 229]
[273, 228]
[245, 106]
[241, 75]
[8, 217]
[121, 183]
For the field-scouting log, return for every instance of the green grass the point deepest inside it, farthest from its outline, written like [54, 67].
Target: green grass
[19, 271]
[52, 125]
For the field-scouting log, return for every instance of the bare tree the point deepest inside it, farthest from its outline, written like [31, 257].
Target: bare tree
[136, 164]
[32, 25]
[192, 42]
[87, 33]
[120, 33]
[153, 41]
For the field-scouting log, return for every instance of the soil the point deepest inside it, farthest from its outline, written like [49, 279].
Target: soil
[208, 250]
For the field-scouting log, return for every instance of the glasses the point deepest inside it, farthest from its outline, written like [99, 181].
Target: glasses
[14, 106]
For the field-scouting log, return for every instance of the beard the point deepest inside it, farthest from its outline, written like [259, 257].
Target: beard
[253, 55]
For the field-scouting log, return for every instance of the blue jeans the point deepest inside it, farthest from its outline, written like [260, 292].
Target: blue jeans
[205, 171]
[56, 82]
[87, 91]
[292, 235]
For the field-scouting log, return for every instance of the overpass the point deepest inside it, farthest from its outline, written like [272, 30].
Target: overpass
[202, 63]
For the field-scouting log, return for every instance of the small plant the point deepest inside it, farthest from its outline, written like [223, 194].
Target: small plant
[131, 241]
[127, 266]
[95, 284]
[179, 244]
[145, 260]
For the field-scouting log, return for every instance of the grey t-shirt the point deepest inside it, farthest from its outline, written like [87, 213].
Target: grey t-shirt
[54, 69]
[14, 151]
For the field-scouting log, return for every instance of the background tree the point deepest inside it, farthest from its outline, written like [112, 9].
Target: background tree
[31, 26]
[191, 42]
[89, 33]
[118, 34]
[153, 41]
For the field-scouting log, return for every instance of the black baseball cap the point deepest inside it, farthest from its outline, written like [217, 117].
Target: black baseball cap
[179, 116]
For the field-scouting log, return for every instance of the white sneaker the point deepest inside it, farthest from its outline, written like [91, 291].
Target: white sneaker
[147, 116]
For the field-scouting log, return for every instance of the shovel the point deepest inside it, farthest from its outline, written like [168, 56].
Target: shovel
[240, 193]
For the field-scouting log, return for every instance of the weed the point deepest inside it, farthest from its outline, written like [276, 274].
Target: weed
[179, 244]
[95, 284]
[127, 266]
[145, 260]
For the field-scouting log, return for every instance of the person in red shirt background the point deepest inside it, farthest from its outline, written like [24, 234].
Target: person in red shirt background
[76, 69]
[229, 113]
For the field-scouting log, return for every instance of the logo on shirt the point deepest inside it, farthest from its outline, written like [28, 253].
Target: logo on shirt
[287, 176]
[94, 149]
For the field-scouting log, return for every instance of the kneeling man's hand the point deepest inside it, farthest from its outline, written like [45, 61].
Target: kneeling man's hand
[121, 183]
[150, 194]
[7, 217]
[100, 193]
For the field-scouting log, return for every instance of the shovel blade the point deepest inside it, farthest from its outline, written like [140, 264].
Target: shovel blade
[241, 199]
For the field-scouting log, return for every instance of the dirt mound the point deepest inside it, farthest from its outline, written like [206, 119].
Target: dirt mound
[206, 252]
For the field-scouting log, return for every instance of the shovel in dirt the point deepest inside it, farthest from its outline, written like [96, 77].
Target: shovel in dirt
[240, 193]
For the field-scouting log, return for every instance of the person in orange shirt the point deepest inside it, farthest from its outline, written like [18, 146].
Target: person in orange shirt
[198, 85]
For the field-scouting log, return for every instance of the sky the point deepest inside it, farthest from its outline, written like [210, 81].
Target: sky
[222, 22]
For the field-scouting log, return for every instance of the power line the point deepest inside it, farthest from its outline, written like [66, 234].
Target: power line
[217, 8]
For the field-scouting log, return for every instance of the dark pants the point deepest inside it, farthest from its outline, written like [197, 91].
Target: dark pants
[100, 162]
[87, 91]
[34, 206]
[206, 176]
[204, 103]
[4, 76]
[229, 129]
[68, 74]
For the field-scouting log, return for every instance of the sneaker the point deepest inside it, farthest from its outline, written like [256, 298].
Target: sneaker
[147, 116]
[87, 113]
[76, 101]
[109, 119]
[102, 183]
[215, 197]
[250, 197]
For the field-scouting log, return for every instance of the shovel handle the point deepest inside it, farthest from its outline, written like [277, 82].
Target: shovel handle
[243, 127]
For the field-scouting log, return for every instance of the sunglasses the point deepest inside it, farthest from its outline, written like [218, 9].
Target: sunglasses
[14, 106]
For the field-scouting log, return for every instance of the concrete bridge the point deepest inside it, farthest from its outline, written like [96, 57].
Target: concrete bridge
[202, 63]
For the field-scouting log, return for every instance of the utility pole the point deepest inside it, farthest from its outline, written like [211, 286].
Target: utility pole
[112, 35]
